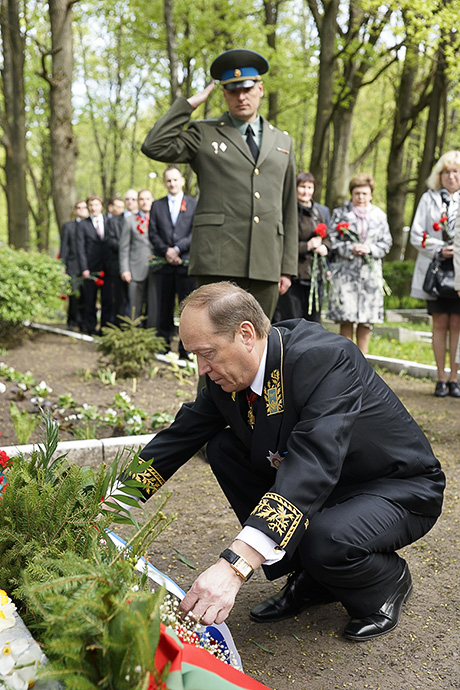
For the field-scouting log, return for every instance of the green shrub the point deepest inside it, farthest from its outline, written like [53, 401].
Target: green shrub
[31, 289]
[129, 348]
[398, 275]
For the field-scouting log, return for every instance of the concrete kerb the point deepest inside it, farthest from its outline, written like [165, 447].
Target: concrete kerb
[92, 452]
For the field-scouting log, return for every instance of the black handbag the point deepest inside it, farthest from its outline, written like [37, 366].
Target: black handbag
[439, 279]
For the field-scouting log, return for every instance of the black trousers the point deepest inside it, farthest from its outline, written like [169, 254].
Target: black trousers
[349, 547]
[169, 282]
[295, 302]
[90, 291]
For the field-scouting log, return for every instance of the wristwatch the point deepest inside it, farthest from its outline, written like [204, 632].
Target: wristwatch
[238, 563]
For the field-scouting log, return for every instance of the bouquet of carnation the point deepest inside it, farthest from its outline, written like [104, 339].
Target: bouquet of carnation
[319, 268]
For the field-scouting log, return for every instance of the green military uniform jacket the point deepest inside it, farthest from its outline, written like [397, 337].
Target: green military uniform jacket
[245, 223]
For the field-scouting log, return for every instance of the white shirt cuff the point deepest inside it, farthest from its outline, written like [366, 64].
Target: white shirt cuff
[261, 543]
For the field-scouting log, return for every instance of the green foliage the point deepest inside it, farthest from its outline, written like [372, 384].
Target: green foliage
[99, 633]
[51, 506]
[30, 288]
[24, 423]
[130, 348]
[413, 350]
[398, 275]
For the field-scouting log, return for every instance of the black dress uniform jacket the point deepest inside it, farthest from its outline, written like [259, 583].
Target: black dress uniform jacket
[332, 425]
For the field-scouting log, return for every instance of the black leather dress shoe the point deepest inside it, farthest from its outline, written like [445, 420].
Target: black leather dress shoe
[386, 618]
[441, 389]
[295, 597]
[454, 389]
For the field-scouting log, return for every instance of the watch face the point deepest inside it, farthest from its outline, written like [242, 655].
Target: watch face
[244, 567]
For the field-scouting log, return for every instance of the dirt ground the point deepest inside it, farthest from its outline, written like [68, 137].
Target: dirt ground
[307, 652]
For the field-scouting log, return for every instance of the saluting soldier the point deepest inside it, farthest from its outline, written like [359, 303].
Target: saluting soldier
[245, 224]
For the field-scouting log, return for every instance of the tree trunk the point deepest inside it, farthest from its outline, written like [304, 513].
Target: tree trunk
[171, 43]
[406, 113]
[431, 149]
[326, 25]
[271, 19]
[338, 179]
[14, 124]
[62, 139]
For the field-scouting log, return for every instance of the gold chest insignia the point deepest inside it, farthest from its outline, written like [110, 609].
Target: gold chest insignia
[273, 394]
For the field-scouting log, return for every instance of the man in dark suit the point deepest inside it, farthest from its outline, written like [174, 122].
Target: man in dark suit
[118, 288]
[68, 254]
[170, 233]
[245, 225]
[327, 471]
[93, 257]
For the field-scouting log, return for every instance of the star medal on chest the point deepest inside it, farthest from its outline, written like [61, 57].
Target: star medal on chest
[275, 459]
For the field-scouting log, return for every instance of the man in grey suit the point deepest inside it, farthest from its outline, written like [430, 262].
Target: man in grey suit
[135, 254]
[170, 232]
[245, 225]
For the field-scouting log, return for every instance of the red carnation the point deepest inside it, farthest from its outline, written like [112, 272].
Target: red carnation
[63, 296]
[101, 274]
[183, 206]
[425, 235]
[321, 230]
[4, 460]
[342, 227]
[444, 219]
[99, 282]
[436, 226]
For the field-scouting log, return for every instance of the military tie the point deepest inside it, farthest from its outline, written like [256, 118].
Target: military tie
[254, 149]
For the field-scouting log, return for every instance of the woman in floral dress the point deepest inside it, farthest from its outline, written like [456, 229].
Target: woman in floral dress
[360, 239]
[433, 232]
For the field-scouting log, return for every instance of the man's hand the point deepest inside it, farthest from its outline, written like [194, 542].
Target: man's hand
[126, 276]
[284, 284]
[199, 98]
[173, 257]
[212, 595]
[85, 274]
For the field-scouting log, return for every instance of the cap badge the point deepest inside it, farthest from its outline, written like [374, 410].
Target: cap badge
[237, 73]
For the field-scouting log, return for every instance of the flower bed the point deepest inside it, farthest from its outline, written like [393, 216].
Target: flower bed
[96, 619]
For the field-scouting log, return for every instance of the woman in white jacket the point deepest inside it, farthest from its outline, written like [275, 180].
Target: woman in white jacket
[433, 232]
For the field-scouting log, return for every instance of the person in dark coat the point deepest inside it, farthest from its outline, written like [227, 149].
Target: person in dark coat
[68, 254]
[326, 470]
[305, 296]
[93, 257]
[170, 233]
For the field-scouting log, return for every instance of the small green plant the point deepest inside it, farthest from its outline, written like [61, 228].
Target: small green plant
[129, 348]
[107, 376]
[24, 423]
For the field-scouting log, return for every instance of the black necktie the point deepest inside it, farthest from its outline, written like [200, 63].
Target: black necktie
[254, 149]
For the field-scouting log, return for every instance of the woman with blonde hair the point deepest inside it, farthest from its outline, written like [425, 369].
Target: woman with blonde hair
[432, 233]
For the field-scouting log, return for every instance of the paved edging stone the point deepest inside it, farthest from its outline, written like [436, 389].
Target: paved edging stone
[88, 452]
